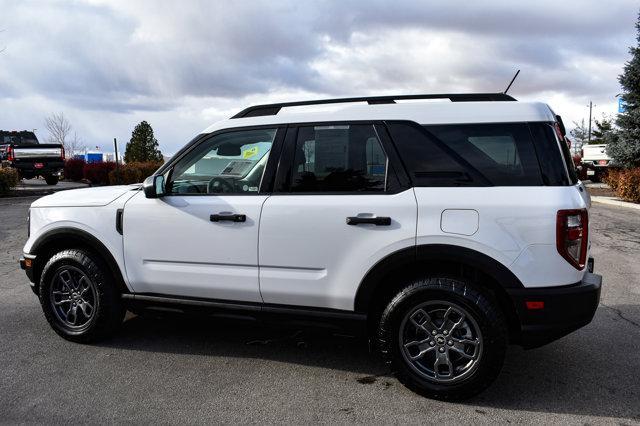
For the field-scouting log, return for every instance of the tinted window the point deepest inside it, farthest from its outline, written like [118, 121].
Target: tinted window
[469, 154]
[551, 163]
[502, 153]
[231, 163]
[429, 162]
[18, 138]
[339, 158]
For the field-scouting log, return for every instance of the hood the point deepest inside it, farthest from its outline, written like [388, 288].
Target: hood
[85, 197]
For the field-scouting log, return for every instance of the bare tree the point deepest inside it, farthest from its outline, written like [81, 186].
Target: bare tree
[60, 132]
[75, 145]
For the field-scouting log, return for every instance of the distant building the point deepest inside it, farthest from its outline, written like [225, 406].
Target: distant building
[97, 157]
[93, 157]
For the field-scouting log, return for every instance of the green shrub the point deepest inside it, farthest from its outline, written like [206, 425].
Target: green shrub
[8, 179]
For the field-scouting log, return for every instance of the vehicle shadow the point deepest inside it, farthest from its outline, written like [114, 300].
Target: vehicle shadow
[592, 372]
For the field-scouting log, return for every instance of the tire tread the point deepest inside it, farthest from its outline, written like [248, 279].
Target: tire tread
[495, 340]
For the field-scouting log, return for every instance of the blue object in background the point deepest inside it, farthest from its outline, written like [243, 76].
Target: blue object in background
[93, 157]
[621, 105]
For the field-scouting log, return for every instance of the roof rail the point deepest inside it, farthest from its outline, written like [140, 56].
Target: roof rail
[273, 109]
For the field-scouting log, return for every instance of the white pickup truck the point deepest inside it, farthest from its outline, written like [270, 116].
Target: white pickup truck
[596, 160]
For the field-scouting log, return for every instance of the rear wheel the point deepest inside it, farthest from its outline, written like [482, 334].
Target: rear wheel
[443, 338]
[79, 297]
[51, 179]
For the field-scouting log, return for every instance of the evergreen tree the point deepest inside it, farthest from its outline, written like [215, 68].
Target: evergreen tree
[143, 146]
[604, 131]
[625, 149]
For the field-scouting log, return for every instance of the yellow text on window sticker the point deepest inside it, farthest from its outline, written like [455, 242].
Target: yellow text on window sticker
[248, 153]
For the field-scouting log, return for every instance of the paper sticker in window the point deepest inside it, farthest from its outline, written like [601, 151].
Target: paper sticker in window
[237, 168]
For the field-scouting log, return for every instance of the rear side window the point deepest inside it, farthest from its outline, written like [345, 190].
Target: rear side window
[338, 158]
[554, 170]
[429, 162]
[503, 154]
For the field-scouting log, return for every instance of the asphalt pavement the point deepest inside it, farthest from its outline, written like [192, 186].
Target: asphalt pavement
[38, 186]
[210, 371]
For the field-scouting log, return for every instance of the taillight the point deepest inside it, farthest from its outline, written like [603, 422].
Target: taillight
[62, 153]
[10, 156]
[572, 236]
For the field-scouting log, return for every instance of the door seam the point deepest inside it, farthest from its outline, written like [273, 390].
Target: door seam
[258, 246]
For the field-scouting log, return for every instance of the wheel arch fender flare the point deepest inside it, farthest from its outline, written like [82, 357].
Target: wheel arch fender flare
[409, 258]
[69, 237]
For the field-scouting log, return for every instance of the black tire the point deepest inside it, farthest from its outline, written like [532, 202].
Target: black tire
[482, 309]
[51, 180]
[107, 311]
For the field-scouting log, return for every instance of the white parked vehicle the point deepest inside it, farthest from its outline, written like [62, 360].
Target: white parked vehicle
[596, 160]
[447, 230]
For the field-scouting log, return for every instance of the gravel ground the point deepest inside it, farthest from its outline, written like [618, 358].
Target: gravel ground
[214, 371]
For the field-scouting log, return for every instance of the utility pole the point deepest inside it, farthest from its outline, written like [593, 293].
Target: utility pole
[115, 145]
[590, 109]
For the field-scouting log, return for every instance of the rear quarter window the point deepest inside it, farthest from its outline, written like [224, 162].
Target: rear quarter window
[493, 154]
[553, 164]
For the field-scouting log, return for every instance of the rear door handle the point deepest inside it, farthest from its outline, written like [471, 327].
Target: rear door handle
[231, 217]
[378, 221]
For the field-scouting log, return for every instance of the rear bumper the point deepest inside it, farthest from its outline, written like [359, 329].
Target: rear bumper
[553, 312]
[48, 167]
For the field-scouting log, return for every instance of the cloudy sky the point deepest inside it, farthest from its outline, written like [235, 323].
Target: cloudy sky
[182, 65]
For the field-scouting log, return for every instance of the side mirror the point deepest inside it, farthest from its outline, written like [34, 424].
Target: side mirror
[153, 186]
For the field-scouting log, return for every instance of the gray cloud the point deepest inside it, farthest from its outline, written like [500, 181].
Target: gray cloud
[149, 57]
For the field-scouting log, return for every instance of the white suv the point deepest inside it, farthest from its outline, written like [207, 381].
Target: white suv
[444, 229]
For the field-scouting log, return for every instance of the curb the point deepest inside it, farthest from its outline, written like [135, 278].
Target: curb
[612, 201]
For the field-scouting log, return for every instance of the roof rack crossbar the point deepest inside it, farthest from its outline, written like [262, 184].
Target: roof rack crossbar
[273, 109]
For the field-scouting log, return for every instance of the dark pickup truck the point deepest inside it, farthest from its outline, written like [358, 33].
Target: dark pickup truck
[22, 151]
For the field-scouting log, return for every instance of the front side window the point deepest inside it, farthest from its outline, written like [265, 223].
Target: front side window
[339, 158]
[229, 163]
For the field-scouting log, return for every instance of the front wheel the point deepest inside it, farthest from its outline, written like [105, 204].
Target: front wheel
[79, 297]
[51, 179]
[443, 338]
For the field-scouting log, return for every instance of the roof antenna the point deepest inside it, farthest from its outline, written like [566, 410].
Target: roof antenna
[512, 80]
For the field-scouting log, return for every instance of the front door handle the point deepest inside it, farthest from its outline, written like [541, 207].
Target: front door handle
[231, 217]
[378, 221]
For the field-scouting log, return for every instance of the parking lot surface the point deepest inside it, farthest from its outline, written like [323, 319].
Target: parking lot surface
[215, 371]
[38, 186]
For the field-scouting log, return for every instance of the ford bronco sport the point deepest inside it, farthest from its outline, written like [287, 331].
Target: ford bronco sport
[445, 229]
